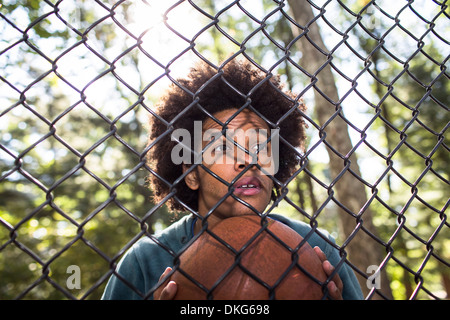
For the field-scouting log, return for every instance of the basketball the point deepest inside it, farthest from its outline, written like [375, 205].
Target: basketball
[249, 263]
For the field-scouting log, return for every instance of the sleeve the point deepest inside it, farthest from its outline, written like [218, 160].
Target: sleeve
[352, 289]
[127, 281]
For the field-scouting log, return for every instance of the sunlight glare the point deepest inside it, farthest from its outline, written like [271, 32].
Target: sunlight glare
[166, 29]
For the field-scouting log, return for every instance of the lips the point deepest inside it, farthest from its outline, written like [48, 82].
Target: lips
[247, 186]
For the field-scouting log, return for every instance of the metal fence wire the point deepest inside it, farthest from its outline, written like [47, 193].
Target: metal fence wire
[80, 80]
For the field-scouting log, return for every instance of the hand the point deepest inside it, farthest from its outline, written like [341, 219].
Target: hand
[335, 286]
[168, 289]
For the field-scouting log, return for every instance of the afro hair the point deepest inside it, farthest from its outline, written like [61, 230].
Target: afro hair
[204, 92]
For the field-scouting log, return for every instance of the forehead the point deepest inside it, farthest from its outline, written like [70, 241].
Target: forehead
[245, 120]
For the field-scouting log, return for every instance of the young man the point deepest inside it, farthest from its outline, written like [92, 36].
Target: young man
[222, 145]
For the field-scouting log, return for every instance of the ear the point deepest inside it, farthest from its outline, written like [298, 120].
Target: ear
[191, 178]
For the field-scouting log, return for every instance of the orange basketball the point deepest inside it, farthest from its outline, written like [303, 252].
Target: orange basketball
[252, 265]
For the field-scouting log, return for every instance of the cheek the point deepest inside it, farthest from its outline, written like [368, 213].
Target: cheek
[211, 185]
[218, 173]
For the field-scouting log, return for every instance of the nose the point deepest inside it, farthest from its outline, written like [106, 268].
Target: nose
[244, 159]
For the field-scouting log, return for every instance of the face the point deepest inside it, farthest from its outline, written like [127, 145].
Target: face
[226, 160]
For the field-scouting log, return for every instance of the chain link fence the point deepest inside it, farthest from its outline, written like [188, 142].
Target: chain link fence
[80, 79]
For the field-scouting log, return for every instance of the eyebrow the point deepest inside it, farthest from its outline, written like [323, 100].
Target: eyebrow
[214, 139]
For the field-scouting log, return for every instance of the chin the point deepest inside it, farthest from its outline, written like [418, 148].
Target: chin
[236, 209]
[243, 210]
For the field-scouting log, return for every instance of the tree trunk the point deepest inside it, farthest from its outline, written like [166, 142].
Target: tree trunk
[363, 251]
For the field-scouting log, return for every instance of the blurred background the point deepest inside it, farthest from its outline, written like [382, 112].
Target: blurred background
[79, 81]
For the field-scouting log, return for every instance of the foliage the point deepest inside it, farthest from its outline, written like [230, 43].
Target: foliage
[68, 196]
[77, 87]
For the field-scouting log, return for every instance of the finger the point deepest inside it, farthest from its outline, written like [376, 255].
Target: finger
[169, 291]
[334, 291]
[165, 273]
[335, 286]
[329, 269]
[320, 254]
[160, 289]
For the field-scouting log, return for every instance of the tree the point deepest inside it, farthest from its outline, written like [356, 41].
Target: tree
[410, 96]
[356, 215]
[72, 181]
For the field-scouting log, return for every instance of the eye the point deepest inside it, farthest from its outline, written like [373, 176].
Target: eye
[222, 148]
[255, 148]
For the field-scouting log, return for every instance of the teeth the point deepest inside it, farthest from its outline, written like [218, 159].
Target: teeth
[248, 186]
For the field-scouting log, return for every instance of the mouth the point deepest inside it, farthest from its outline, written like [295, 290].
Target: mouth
[248, 186]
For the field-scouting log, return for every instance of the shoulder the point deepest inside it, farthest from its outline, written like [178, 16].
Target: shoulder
[156, 252]
[171, 239]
